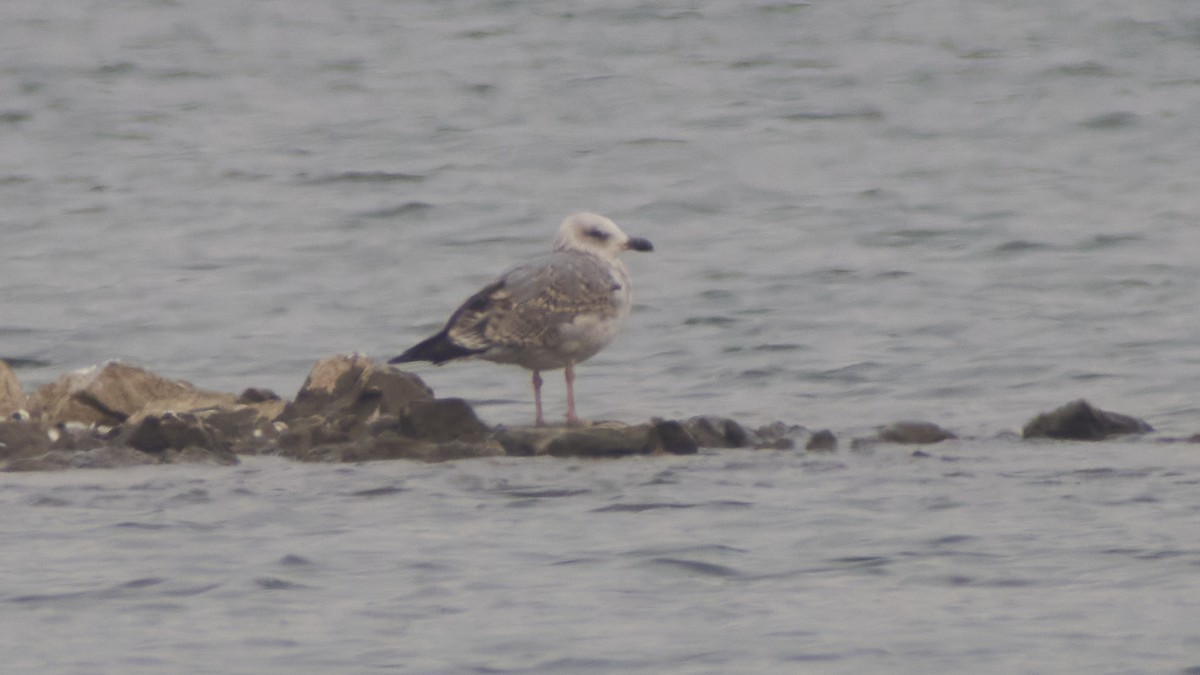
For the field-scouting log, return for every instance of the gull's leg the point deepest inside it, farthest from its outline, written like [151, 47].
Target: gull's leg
[537, 399]
[572, 418]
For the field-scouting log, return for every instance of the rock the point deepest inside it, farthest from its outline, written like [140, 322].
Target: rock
[12, 397]
[257, 395]
[600, 441]
[171, 431]
[22, 439]
[671, 437]
[54, 403]
[605, 439]
[106, 457]
[443, 419]
[116, 392]
[914, 433]
[821, 441]
[1080, 421]
[354, 385]
[778, 436]
[710, 431]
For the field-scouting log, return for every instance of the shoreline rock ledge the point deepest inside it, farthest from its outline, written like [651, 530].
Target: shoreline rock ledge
[351, 409]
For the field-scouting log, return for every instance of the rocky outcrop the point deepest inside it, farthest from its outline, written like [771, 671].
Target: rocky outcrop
[116, 392]
[12, 397]
[351, 409]
[1081, 421]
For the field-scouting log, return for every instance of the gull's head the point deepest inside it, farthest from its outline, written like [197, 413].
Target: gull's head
[596, 234]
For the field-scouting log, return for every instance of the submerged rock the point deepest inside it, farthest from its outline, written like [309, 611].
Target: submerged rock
[914, 433]
[1081, 421]
[711, 431]
[12, 397]
[603, 439]
[821, 441]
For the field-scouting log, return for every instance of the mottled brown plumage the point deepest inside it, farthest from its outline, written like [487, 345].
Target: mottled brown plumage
[550, 313]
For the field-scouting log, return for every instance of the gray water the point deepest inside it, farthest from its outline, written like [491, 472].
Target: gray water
[862, 212]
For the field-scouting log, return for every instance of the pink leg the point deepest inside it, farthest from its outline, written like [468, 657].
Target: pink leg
[537, 399]
[572, 418]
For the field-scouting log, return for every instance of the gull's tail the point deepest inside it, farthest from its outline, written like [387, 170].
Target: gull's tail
[437, 349]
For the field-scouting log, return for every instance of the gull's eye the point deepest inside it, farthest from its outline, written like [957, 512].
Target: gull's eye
[596, 233]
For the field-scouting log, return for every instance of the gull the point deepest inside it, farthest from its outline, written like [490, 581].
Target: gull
[550, 313]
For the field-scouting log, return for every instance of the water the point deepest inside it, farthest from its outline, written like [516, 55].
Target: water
[862, 212]
[1066, 559]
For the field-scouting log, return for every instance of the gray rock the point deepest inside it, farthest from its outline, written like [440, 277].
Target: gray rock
[710, 431]
[914, 433]
[602, 439]
[672, 437]
[1080, 421]
[778, 436]
[821, 441]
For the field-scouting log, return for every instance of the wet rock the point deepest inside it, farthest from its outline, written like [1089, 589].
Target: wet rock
[778, 436]
[1081, 421]
[257, 395]
[156, 434]
[605, 439]
[115, 392]
[354, 385]
[105, 457]
[821, 441]
[248, 429]
[443, 419]
[711, 431]
[12, 397]
[392, 446]
[21, 440]
[914, 433]
[672, 437]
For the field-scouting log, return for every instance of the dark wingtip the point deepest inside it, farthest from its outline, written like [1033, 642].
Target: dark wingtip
[437, 349]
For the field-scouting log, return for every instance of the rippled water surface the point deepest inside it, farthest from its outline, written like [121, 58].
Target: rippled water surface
[862, 212]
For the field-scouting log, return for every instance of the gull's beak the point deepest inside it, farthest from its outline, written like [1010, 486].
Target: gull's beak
[638, 244]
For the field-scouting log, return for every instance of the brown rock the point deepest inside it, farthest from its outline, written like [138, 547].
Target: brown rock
[1080, 421]
[54, 403]
[116, 392]
[12, 397]
[354, 385]
[914, 433]
[22, 439]
[174, 431]
[443, 419]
